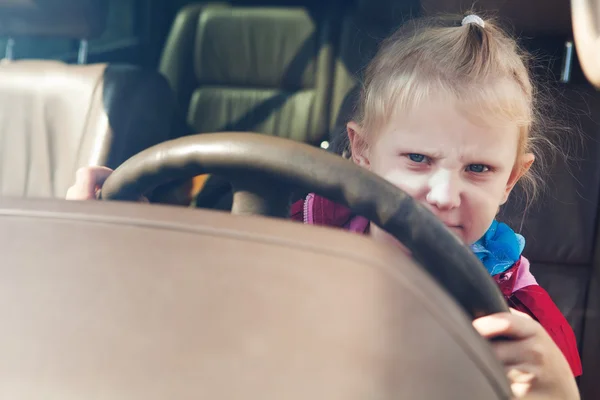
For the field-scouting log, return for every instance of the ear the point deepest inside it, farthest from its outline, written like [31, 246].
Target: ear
[520, 169]
[358, 145]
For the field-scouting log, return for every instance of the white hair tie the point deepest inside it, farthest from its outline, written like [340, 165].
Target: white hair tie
[473, 19]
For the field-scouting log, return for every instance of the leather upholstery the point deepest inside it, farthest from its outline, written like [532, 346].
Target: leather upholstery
[55, 18]
[144, 322]
[55, 118]
[177, 60]
[254, 69]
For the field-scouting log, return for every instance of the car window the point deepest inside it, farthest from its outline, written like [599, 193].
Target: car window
[45, 48]
[121, 31]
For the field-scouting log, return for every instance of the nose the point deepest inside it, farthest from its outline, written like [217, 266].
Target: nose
[444, 190]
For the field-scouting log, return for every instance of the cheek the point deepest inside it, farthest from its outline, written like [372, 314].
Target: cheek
[482, 211]
[411, 183]
[481, 206]
[386, 166]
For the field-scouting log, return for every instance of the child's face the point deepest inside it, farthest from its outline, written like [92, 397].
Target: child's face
[459, 170]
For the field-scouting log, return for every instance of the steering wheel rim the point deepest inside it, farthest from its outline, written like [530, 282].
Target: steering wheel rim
[265, 170]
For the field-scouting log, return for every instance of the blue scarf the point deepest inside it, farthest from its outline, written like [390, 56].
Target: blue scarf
[499, 248]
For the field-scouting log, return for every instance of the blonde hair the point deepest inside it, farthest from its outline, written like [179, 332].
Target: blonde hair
[480, 66]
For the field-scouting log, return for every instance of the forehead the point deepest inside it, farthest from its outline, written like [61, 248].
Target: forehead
[446, 127]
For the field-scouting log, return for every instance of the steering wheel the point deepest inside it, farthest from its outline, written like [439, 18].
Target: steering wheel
[264, 171]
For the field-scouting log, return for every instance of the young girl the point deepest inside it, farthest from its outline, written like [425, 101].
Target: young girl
[446, 114]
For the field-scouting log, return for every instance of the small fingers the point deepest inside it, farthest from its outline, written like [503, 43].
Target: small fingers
[521, 380]
[515, 325]
[532, 352]
[87, 181]
[93, 176]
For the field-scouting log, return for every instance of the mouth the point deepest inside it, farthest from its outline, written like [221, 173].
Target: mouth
[458, 229]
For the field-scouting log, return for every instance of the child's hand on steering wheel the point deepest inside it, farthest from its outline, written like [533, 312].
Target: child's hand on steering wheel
[88, 181]
[535, 366]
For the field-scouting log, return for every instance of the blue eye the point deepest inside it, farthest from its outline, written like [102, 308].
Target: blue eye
[418, 158]
[477, 168]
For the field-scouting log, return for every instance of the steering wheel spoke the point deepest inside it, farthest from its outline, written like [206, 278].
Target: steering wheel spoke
[258, 195]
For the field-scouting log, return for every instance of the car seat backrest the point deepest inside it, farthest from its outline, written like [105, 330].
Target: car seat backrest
[55, 117]
[44, 112]
[58, 117]
[263, 69]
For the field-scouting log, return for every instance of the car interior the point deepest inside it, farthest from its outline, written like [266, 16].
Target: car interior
[244, 102]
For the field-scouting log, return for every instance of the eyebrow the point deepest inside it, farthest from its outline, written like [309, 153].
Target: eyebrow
[414, 150]
[468, 158]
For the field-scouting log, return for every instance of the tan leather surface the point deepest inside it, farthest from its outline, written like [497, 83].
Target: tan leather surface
[55, 118]
[81, 19]
[531, 17]
[263, 69]
[225, 308]
[52, 122]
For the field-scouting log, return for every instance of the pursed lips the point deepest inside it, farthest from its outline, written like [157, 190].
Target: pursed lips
[457, 229]
[451, 224]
